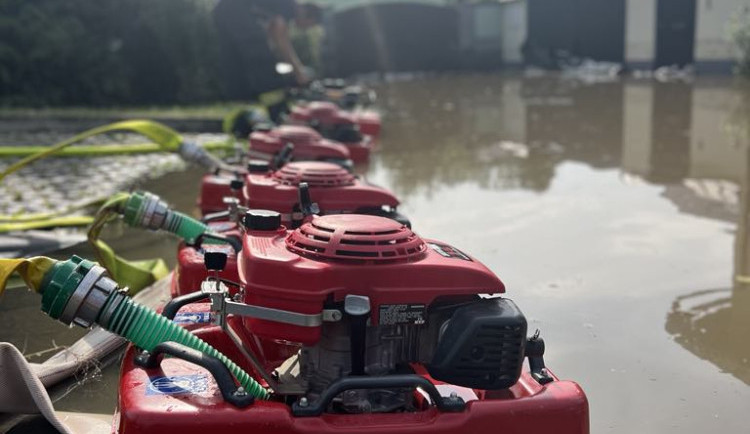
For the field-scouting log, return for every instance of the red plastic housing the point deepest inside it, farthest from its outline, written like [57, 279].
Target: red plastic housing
[214, 188]
[308, 143]
[332, 187]
[183, 398]
[327, 116]
[369, 122]
[191, 270]
[337, 255]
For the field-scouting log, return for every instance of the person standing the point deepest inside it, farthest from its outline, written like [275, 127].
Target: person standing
[253, 37]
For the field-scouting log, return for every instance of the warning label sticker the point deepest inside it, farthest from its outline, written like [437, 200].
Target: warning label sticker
[392, 314]
[449, 251]
[185, 318]
[178, 384]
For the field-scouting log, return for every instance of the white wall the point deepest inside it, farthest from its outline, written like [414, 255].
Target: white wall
[513, 25]
[640, 31]
[712, 39]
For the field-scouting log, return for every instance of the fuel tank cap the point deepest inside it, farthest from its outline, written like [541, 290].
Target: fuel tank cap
[261, 220]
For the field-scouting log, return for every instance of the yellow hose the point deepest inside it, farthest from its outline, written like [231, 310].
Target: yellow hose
[32, 271]
[102, 150]
[164, 139]
[52, 222]
[167, 138]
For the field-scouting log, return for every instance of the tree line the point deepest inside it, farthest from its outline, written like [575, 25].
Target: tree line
[103, 52]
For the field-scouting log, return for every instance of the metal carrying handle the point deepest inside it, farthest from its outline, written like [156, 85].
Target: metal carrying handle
[318, 407]
[221, 215]
[235, 243]
[231, 393]
[174, 305]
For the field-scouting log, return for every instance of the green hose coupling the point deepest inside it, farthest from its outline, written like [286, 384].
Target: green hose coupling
[149, 211]
[78, 291]
[75, 291]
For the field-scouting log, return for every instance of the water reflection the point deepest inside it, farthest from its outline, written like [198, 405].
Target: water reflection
[509, 133]
[715, 324]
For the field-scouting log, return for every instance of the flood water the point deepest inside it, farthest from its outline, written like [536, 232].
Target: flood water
[616, 213]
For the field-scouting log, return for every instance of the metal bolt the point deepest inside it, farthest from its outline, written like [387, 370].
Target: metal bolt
[303, 402]
[240, 392]
[454, 395]
[545, 372]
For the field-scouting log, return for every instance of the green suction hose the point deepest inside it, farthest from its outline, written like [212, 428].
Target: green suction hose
[141, 210]
[78, 291]
[148, 211]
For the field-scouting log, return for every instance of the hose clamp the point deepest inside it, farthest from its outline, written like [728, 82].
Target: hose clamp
[89, 298]
[154, 213]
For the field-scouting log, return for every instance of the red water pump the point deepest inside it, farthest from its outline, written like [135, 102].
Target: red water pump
[356, 130]
[352, 98]
[272, 144]
[295, 190]
[308, 144]
[297, 186]
[355, 324]
[334, 189]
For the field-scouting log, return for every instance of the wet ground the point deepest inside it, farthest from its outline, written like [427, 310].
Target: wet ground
[616, 213]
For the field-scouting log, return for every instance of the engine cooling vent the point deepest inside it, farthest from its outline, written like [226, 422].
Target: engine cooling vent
[354, 237]
[296, 133]
[314, 173]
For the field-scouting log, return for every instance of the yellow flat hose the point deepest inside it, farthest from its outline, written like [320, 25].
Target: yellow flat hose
[136, 275]
[31, 270]
[102, 150]
[51, 222]
[164, 139]
[167, 138]
[17, 218]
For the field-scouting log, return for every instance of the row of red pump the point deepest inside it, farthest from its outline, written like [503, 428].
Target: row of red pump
[321, 291]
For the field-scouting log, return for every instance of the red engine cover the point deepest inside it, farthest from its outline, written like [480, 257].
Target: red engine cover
[336, 255]
[308, 143]
[329, 114]
[369, 122]
[332, 187]
[214, 188]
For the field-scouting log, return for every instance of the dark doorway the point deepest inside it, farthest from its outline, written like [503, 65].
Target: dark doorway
[675, 32]
[582, 28]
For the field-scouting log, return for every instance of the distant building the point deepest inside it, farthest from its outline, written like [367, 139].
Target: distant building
[642, 34]
[404, 35]
[666, 32]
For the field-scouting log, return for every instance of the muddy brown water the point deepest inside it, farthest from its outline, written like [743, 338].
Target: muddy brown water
[616, 213]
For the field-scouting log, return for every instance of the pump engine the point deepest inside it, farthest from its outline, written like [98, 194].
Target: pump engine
[354, 129]
[360, 295]
[308, 144]
[332, 189]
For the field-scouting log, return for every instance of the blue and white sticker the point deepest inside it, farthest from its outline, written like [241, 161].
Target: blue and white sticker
[177, 385]
[192, 317]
